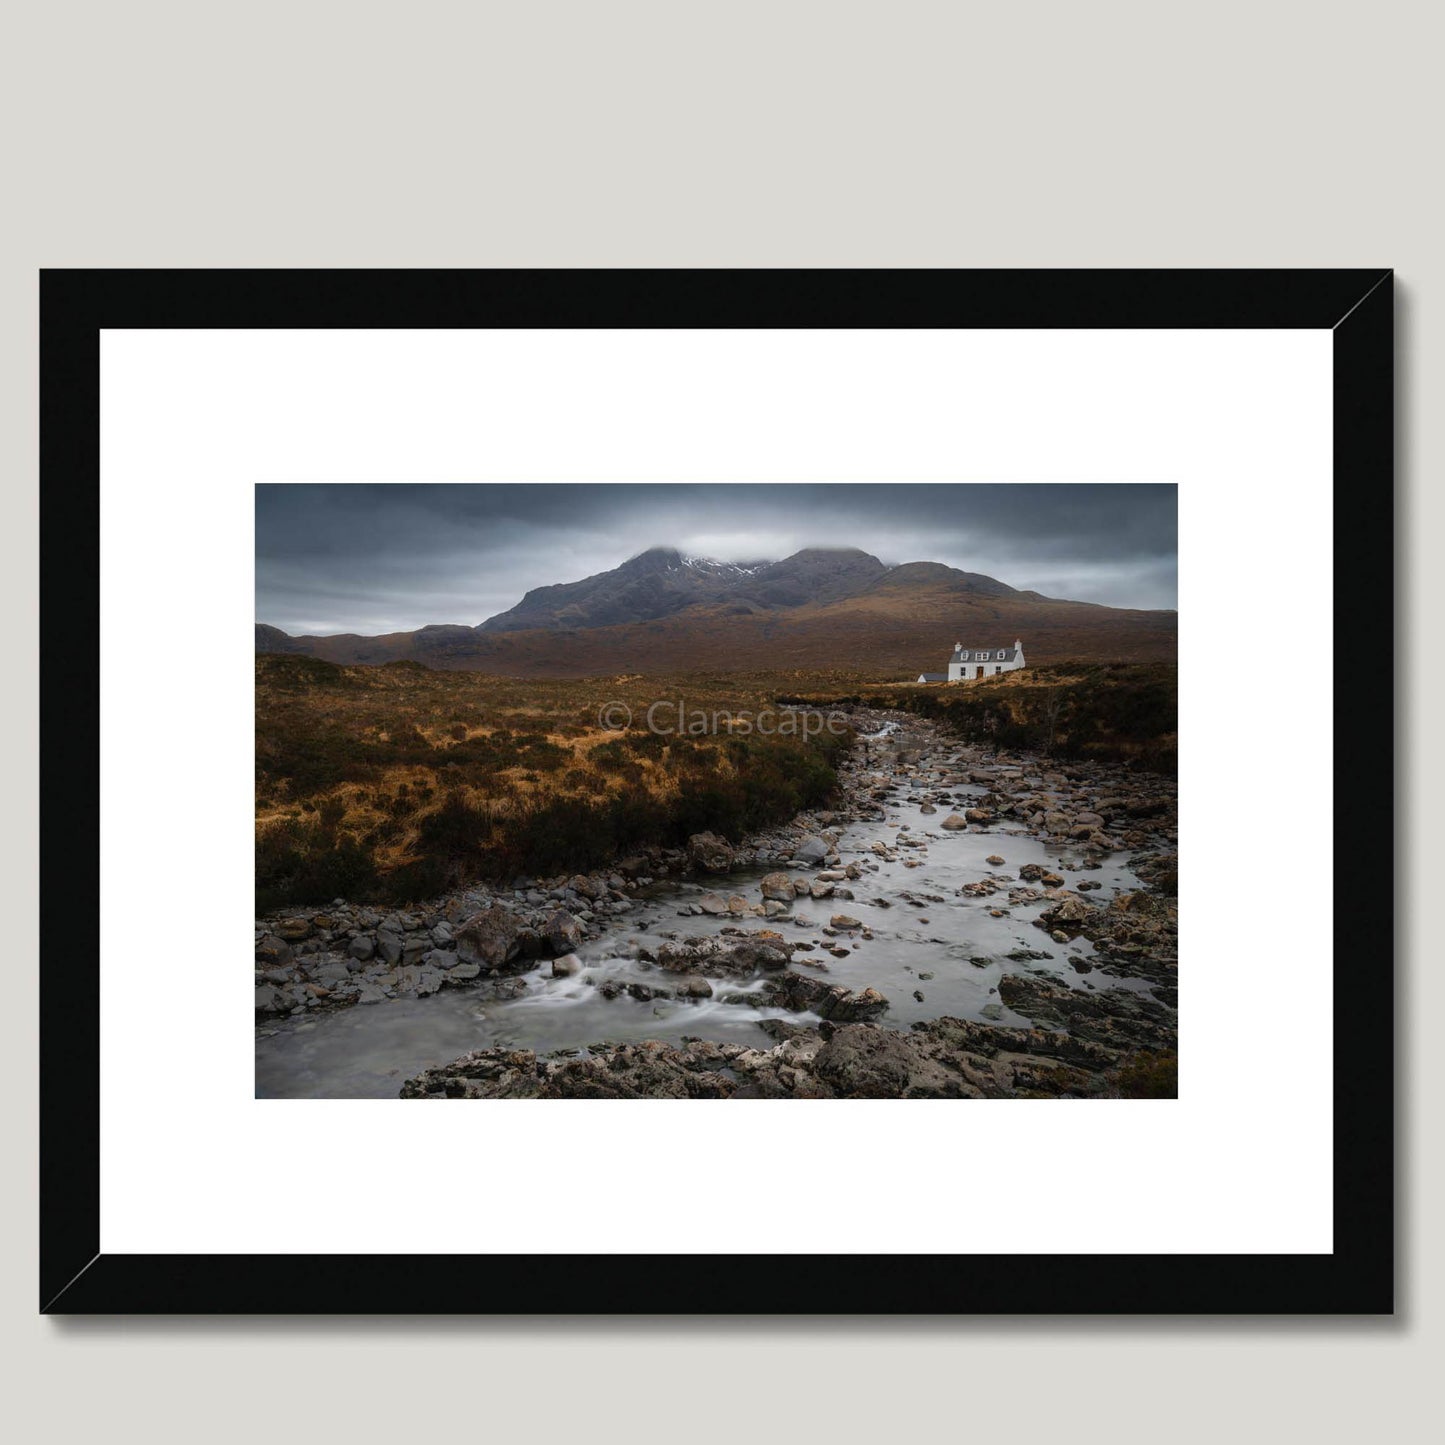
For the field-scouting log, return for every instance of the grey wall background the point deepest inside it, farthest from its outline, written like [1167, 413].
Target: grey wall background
[646, 134]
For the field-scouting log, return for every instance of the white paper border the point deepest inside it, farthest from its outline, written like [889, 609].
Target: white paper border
[191, 420]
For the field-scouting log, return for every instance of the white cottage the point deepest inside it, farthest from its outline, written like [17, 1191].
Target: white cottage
[969, 663]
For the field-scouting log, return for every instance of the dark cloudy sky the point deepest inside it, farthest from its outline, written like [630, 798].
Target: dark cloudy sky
[372, 559]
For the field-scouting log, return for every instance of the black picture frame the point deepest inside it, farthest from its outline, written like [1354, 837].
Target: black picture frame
[76, 1278]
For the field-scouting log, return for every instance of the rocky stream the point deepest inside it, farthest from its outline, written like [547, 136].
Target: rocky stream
[964, 924]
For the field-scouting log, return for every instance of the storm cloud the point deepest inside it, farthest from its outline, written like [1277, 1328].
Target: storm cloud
[373, 559]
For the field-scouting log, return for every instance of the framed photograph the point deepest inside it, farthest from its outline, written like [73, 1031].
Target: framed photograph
[831, 784]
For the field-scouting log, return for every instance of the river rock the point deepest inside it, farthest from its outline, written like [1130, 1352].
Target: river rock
[953, 823]
[489, 938]
[864, 1062]
[844, 920]
[563, 932]
[270, 1000]
[713, 903]
[709, 854]
[362, 948]
[274, 952]
[800, 993]
[1070, 913]
[779, 887]
[740, 956]
[1118, 1018]
[566, 966]
[293, 930]
[811, 850]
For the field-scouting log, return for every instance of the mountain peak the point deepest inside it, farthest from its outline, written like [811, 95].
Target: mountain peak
[654, 559]
[833, 552]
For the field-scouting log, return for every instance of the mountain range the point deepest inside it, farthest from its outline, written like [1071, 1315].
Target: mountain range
[820, 609]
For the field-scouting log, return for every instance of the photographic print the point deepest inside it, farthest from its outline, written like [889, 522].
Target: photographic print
[736, 686]
[711, 791]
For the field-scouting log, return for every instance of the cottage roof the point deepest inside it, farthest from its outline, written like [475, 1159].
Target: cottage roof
[991, 654]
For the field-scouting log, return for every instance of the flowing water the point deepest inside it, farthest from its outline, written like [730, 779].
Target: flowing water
[366, 1051]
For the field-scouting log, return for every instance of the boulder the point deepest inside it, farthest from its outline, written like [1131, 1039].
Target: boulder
[389, 946]
[779, 887]
[563, 932]
[362, 948]
[742, 956]
[954, 824]
[844, 920]
[1071, 913]
[800, 993]
[293, 930]
[708, 853]
[1117, 1018]
[811, 850]
[273, 952]
[490, 938]
[858, 1007]
[874, 1063]
[566, 966]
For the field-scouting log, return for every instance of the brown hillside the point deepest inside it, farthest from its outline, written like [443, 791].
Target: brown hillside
[891, 632]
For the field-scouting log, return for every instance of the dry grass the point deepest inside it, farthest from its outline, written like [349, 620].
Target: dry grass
[1116, 712]
[398, 781]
